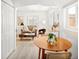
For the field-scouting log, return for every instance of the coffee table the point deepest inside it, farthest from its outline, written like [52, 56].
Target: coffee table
[61, 45]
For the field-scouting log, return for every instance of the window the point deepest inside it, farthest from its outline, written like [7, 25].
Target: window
[71, 17]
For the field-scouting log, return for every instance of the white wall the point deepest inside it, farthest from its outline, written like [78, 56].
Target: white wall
[8, 29]
[50, 19]
[52, 16]
[41, 17]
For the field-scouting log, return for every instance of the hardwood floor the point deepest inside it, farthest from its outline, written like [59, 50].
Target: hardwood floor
[25, 50]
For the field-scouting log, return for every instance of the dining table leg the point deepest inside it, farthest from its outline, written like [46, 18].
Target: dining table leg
[43, 53]
[39, 53]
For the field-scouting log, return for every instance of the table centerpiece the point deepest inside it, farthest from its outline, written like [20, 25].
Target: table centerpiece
[52, 39]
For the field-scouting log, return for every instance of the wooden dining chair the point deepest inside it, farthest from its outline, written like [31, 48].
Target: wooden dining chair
[58, 55]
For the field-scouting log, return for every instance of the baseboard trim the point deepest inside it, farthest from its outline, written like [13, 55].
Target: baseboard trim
[10, 53]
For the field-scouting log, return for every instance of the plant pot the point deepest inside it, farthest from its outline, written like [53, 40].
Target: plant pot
[52, 41]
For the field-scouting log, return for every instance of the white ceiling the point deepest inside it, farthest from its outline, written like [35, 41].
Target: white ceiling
[40, 5]
[36, 8]
[58, 3]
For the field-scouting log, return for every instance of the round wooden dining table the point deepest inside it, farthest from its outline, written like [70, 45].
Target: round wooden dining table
[61, 45]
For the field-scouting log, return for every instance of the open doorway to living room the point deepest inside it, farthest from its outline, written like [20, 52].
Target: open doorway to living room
[33, 21]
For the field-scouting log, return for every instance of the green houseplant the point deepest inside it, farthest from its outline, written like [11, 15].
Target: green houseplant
[51, 38]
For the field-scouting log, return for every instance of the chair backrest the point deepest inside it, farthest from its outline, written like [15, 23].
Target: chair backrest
[57, 55]
[43, 30]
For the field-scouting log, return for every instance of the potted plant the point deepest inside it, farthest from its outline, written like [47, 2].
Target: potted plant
[51, 38]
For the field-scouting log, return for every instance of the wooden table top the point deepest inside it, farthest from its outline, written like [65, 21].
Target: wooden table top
[61, 44]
